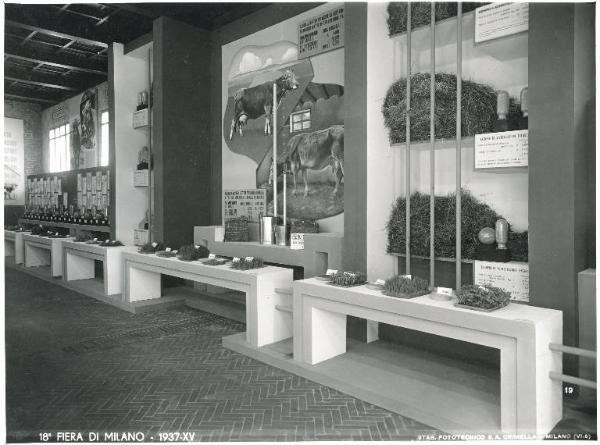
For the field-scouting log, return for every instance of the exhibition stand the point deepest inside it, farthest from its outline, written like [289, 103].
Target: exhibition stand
[79, 264]
[13, 245]
[42, 251]
[519, 399]
[321, 251]
[265, 324]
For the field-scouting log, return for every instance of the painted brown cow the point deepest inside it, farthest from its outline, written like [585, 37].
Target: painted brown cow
[315, 151]
[252, 103]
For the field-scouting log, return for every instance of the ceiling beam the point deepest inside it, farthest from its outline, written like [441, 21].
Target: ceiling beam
[50, 32]
[40, 84]
[57, 60]
[32, 99]
[134, 9]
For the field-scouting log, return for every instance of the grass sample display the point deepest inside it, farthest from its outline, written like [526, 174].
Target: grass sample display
[111, 243]
[244, 264]
[478, 108]
[421, 14]
[191, 252]
[215, 262]
[482, 297]
[151, 247]
[475, 216]
[404, 287]
[166, 253]
[304, 226]
[83, 236]
[347, 279]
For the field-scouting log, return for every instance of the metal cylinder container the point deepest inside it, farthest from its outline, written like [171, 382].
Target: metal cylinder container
[281, 235]
[267, 229]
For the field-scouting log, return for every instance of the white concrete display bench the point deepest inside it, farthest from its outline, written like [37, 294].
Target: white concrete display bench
[79, 264]
[264, 323]
[529, 402]
[321, 251]
[13, 245]
[44, 251]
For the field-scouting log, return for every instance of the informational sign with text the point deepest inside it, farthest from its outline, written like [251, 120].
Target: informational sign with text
[250, 203]
[500, 19]
[322, 33]
[297, 241]
[512, 277]
[505, 149]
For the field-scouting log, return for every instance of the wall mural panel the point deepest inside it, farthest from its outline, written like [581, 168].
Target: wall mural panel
[310, 127]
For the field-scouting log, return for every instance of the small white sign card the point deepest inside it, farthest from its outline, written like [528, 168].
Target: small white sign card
[297, 241]
[505, 149]
[331, 272]
[513, 277]
[500, 19]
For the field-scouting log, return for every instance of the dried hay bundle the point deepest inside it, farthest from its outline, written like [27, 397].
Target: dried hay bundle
[475, 216]
[421, 14]
[478, 108]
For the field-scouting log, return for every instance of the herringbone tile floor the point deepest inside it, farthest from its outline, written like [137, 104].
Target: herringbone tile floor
[75, 364]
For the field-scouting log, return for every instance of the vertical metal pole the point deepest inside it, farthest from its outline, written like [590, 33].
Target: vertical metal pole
[274, 131]
[432, 153]
[150, 166]
[407, 166]
[458, 144]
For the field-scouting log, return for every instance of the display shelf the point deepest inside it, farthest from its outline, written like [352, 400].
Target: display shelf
[445, 259]
[468, 143]
[530, 401]
[91, 228]
[264, 324]
[400, 379]
[426, 28]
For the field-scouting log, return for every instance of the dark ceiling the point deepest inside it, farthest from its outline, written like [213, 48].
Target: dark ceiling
[52, 52]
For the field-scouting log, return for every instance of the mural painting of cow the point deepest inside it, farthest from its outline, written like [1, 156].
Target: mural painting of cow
[253, 102]
[315, 151]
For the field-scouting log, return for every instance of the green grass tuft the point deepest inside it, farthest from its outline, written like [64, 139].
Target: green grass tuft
[347, 279]
[484, 297]
[404, 287]
[244, 264]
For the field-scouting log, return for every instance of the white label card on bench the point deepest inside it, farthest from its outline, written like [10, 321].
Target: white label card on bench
[331, 271]
[408, 277]
[249, 258]
[211, 256]
[380, 282]
[236, 259]
[168, 249]
[443, 290]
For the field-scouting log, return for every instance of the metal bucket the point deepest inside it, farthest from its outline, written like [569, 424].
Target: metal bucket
[267, 229]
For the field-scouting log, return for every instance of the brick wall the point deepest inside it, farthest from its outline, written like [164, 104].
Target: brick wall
[31, 114]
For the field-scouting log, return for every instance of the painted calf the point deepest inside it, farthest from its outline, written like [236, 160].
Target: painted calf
[252, 103]
[315, 151]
